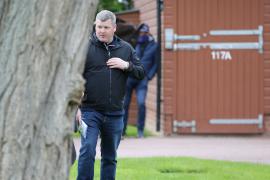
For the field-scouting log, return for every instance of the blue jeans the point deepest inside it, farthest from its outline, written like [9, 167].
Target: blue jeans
[109, 127]
[141, 91]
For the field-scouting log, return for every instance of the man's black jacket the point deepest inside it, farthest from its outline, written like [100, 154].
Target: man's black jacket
[105, 87]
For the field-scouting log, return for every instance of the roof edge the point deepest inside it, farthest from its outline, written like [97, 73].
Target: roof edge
[127, 11]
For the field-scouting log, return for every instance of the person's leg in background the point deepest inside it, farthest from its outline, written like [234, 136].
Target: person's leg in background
[111, 132]
[88, 145]
[141, 92]
[131, 83]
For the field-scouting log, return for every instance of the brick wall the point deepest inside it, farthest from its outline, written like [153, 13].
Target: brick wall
[148, 15]
[267, 66]
[167, 69]
[132, 17]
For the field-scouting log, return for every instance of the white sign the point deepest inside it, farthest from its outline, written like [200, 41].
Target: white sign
[221, 55]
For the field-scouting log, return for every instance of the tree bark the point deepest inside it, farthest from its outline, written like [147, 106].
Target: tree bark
[42, 51]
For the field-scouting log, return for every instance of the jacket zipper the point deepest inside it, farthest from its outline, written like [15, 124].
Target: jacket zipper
[110, 73]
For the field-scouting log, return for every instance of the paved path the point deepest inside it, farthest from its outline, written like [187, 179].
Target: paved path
[254, 149]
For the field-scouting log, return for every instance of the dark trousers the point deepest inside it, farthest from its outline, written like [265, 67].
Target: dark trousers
[110, 129]
[140, 86]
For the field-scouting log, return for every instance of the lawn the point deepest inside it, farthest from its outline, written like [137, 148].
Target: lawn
[178, 168]
[132, 131]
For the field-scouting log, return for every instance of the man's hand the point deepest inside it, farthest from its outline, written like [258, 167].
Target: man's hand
[79, 116]
[117, 63]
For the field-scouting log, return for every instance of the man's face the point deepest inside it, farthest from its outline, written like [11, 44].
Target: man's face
[143, 33]
[105, 30]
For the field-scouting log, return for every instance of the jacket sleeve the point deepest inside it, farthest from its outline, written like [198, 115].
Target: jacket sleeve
[135, 68]
[151, 73]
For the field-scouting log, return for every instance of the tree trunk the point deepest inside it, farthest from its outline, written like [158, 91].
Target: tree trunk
[42, 52]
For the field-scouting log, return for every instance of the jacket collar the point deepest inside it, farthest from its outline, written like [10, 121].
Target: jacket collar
[116, 43]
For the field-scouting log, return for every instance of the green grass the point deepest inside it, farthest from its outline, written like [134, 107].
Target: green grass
[131, 132]
[76, 135]
[178, 168]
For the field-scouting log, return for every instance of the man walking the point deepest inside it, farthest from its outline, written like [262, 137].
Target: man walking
[109, 62]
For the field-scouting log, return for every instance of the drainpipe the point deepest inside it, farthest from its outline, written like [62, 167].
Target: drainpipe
[159, 9]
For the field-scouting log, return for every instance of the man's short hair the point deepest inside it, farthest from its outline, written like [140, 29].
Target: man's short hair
[105, 15]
